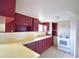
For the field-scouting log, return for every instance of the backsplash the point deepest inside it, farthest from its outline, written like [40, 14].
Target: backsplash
[14, 36]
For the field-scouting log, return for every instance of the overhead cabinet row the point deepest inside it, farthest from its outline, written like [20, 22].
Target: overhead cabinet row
[7, 8]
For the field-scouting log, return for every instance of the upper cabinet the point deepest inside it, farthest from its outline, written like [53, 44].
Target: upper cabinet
[29, 21]
[10, 26]
[7, 8]
[35, 24]
[22, 21]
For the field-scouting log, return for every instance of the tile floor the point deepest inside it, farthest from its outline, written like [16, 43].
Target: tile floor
[54, 53]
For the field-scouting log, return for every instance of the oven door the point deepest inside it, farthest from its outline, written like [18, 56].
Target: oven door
[64, 42]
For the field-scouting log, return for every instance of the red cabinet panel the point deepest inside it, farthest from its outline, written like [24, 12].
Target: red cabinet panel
[54, 27]
[10, 27]
[35, 24]
[28, 21]
[7, 7]
[32, 46]
[49, 42]
[24, 20]
[41, 45]
[20, 19]
[44, 43]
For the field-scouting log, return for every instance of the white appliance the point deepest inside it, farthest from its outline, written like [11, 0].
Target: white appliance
[64, 44]
[63, 39]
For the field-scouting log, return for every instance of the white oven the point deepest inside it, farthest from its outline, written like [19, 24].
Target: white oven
[64, 44]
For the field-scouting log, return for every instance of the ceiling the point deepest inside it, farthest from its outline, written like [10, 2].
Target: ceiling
[49, 10]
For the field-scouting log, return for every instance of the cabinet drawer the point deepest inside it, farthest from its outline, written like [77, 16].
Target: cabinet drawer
[39, 47]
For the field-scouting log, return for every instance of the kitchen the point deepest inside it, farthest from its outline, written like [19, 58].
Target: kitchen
[24, 21]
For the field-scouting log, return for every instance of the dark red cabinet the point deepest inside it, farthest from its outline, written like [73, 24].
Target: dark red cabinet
[35, 24]
[7, 8]
[54, 27]
[41, 45]
[9, 24]
[44, 47]
[20, 19]
[48, 40]
[10, 27]
[23, 20]
[29, 22]
[31, 46]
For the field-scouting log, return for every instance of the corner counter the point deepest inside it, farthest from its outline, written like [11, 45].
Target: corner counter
[20, 37]
[11, 44]
[16, 51]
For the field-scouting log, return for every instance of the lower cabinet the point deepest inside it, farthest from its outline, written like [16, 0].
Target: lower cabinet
[49, 42]
[38, 47]
[41, 45]
[44, 45]
[31, 46]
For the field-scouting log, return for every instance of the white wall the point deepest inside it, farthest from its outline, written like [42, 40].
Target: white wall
[73, 37]
[64, 28]
[77, 40]
[48, 9]
[50, 28]
[40, 27]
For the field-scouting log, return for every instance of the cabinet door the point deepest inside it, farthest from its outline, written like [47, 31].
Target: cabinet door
[49, 42]
[7, 8]
[39, 47]
[35, 24]
[54, 27]
[10, 24]
[20, 19]
[44, 44]
[32, 46]
[28, 21]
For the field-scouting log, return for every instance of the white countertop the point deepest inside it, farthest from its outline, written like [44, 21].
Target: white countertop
[11, 45]
[37, 39]
[16, 51]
